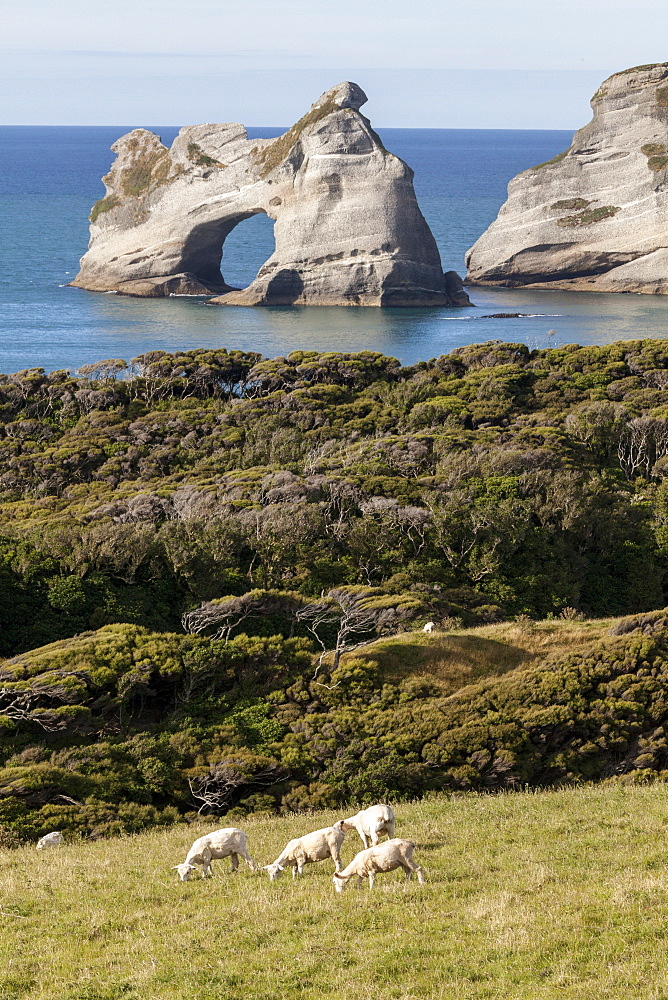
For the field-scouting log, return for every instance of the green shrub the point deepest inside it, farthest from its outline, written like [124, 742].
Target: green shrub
[589, 216]
[104, 205]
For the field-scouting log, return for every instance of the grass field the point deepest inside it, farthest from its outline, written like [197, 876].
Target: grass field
[529, 896]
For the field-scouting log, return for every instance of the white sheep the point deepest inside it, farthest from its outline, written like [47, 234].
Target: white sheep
[381, 858]
[225, 843]
[429, 627]
[371, 823]
[53, 839]
[317, 846]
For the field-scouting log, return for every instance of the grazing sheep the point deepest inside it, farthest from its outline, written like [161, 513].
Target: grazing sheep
[225, 843]
[429, 627]
[371, 823]
[382, 858]
[302, 851]
[53, 839]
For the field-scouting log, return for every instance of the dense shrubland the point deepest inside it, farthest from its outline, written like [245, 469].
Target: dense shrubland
[494, 480]
[200, 542]
[123, 728]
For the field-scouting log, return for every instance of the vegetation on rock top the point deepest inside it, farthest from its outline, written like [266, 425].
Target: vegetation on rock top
[555, 159]
[104, 205]
[274, 153]
[200, 158]
[570, 203]
[657, 155]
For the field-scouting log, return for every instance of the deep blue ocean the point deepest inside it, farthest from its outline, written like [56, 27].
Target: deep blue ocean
[50, 176]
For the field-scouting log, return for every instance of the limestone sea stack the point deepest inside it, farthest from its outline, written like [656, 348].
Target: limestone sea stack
[348, 229]
[594, 218]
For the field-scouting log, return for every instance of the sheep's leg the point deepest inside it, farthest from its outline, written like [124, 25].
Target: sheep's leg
[364, 839]
[411, 867]
[359, 881]
[389, 828]
[234, 857]
[336, 858]
[372, 879]
[374, 837]
[247, 858]
[294, 871]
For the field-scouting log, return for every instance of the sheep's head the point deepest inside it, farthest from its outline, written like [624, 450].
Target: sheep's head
[184, 870]
[340, 881]
[340, 826]
[345, 824]
[274, 871]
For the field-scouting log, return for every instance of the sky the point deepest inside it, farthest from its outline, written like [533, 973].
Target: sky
[423, 63]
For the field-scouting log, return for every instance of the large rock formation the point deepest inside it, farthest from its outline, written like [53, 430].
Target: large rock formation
[348, 227]
[595, 217]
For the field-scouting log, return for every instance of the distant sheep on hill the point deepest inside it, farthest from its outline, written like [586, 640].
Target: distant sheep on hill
[225, 843]
[371, 823]
[382, 858]
[429, 627]
[53, 839]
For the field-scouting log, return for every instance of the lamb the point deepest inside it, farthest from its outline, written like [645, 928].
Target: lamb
[382, 858]
[371, 823]
[53, 839]
[429, 627]
[306, 850]
[228, 842]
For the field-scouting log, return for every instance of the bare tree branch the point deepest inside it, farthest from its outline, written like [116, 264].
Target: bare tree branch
[213, 791]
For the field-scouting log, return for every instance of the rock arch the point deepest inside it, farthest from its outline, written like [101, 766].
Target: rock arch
[203, 248]
[348, 229]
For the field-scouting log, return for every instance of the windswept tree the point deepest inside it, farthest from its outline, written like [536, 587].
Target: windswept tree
[213, 791]
[105, 372]
[340, 621]
[358, 615]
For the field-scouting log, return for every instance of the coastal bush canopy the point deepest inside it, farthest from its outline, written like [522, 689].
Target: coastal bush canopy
[196, 549]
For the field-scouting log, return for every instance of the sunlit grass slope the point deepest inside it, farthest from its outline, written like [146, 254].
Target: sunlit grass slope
[453, 659]
[529, 896]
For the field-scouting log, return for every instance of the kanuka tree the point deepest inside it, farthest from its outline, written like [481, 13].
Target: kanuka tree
[342, 620]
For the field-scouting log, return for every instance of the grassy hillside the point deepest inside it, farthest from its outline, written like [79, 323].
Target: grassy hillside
[529, 896]
[452, 659]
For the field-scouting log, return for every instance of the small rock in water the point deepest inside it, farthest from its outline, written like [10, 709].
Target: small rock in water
[504, 315]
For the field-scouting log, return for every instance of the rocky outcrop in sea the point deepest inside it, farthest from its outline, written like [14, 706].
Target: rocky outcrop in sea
[595, 217]
[348, 229]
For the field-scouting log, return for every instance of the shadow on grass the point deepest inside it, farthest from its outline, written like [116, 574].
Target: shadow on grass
[452, 660]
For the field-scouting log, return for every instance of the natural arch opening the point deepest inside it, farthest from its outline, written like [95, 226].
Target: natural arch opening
[226, 255]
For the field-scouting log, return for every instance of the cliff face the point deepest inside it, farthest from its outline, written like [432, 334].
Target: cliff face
[348, 227]
[595, 217]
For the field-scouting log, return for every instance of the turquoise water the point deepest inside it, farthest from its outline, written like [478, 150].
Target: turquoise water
[49, 177]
